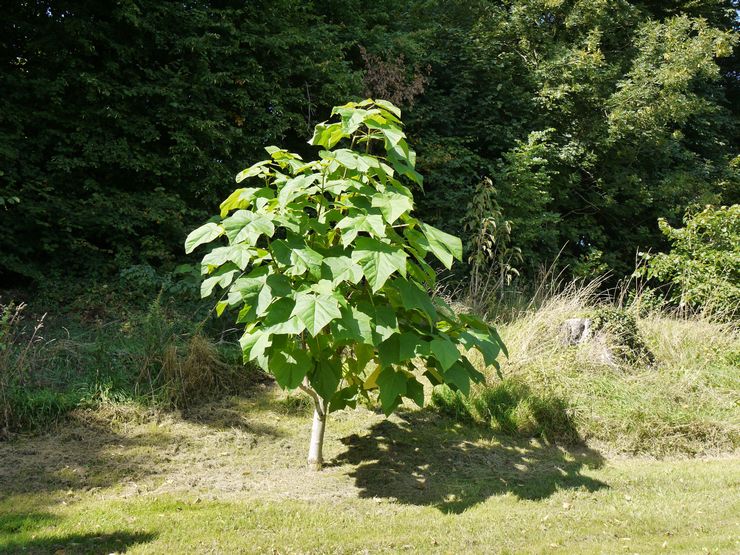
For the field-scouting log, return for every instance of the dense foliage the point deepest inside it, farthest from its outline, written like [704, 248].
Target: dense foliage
[703, 264]
[120, 123]
[327, 268]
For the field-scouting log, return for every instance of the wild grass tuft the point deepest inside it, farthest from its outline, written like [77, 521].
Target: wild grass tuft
[510, 407]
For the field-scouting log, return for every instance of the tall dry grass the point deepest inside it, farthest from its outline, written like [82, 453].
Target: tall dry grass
[684, 402]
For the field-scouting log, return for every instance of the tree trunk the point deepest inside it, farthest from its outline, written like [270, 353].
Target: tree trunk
[315, 449]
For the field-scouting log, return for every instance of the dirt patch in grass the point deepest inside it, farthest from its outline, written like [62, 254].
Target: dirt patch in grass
[255, 447]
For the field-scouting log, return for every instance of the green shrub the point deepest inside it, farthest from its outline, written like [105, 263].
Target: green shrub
[703, 265]
[327, 266]
[621, 327]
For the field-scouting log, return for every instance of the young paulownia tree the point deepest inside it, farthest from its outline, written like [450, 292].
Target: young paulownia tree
[326, 266]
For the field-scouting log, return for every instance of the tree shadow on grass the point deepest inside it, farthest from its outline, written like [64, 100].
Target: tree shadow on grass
[116, 542]
[15, 528]
[422, 458]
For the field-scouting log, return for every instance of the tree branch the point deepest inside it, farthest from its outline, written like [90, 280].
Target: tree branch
[315, 396]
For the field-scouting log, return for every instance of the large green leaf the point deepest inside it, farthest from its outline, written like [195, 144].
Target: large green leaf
[354, 326]
[315, 310]
[392, 133]
[240, 198]
[345, 397]
[391, 386]
[403, 162]
[385, 321]
[417, 241]
[390, 107]
[445, 247]
[415, 392]
[487, 346]
[252, 171]
[353, 160]
[247, 226]
[401, 347]
[204, 234]
[240, 254]
[445, 351]
[392, 205]
[297, 257]
[484, 330]
[415, 298]
[275, 286]
[297, 187]
[352, 225]
[378, 260]
[352, 118]
[339, 186]
[327, 135]
[254, 344]
[326, 376]
[342, 268]
[222, 277]
[279, 311]
[250, 285]
[289, 366]
[459, 377]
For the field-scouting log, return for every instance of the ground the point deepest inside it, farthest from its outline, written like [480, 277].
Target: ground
[230, 477]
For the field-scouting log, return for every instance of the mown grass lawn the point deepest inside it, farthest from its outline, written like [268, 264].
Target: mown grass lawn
[229, 477]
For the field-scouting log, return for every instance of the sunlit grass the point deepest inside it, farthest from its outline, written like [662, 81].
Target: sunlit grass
[230, 477]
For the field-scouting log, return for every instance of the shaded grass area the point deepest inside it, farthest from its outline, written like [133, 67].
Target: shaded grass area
[157, 356]
[230, 477]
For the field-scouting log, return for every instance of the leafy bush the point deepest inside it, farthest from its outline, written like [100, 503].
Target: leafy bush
[621, 326]
[703, 265]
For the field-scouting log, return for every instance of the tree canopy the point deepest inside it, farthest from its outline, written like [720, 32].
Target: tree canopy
[121, 123]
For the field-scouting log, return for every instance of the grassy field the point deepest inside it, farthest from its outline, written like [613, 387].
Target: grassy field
[144, 436]
[229, 477]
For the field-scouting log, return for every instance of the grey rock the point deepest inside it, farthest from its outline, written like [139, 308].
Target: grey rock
[575, 331]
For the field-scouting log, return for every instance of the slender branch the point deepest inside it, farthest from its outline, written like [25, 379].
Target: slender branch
[315, 396]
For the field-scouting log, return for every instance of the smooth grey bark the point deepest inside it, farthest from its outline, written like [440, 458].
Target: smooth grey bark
[316, 446]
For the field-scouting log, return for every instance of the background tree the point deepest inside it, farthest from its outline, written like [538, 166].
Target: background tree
[120, 123]
[702, 268]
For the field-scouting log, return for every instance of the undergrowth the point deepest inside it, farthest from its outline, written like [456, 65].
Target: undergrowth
[157, 357]
[646, 382]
